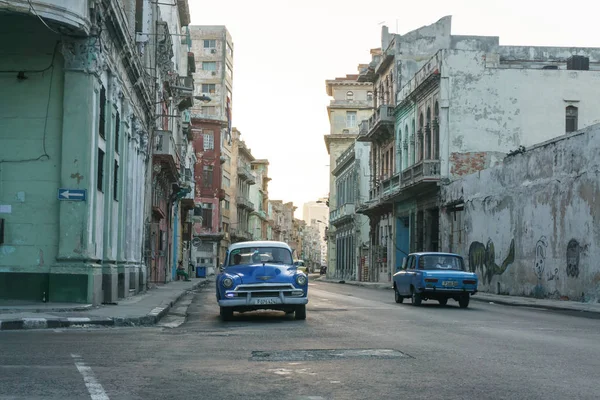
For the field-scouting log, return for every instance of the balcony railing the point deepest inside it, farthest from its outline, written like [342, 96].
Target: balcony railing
[423, 171]
[383, 115]
[246, 173]
[244, 203]
[74, 13]
[344, 212]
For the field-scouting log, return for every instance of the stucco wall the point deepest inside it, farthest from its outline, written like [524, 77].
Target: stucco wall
[532, 225]
[500, 109]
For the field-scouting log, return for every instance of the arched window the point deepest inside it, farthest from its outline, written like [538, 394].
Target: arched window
[412, 143]
[369, 96]
[419, 143]
[571, 116]
[406, 148]
[349, 95]
[436, 131]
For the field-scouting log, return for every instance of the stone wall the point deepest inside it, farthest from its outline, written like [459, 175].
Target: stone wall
[531, 225]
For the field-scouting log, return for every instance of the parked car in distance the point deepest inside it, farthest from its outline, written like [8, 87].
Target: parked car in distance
[301, 266]
[260, 275]
[323, 270]
[434, 276]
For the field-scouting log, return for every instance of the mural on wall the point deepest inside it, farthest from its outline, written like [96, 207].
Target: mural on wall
[573, 251]
[482, 259]
[540, 257]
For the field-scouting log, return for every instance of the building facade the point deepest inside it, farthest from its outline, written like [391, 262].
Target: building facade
[460, 107]
[245, 179]
[352, 101]
[316, 215]
[211, 126]
[77, 189]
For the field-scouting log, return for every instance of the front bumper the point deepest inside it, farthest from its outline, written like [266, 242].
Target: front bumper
[264, 295]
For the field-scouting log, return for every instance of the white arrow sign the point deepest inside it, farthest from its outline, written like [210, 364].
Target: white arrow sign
[68, 194]
[72, 194]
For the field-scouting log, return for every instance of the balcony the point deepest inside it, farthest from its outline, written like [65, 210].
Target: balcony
[379, 126]
[246, 174]
[165, 152]
[239, 235]
[72, 13]
[343, 104]
[421, 172]
[243, 202]
[341, 215]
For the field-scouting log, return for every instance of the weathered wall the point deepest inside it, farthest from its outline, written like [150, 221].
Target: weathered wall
[532, 225]
[500, 109]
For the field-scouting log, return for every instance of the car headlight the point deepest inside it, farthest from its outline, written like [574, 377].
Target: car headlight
[301, 280]
[227, 283]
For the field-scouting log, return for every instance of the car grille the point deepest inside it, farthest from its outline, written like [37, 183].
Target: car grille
[267, 290]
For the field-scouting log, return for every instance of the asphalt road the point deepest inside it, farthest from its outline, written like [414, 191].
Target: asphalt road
[355, 344]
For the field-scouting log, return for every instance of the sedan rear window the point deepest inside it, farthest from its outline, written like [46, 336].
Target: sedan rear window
[441, 262]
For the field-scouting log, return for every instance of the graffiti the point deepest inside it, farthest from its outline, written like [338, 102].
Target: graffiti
[540, 256]
[552, 275]
[573, 251]
[483, 258]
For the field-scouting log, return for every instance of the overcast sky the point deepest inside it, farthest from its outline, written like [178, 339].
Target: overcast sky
[285, 50]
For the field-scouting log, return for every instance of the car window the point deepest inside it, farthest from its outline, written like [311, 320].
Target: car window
[441, 262]
[252, 255]
[411, 262]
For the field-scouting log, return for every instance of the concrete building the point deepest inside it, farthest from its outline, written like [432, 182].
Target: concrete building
[211, 126]
[316, 214]
[245, 179]
[81, 100]
[529, 226]
[458, 104]
[276, 219]
[260, 197]
[351, 174]
[352, 101]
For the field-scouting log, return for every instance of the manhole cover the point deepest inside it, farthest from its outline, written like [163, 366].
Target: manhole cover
[324, 354]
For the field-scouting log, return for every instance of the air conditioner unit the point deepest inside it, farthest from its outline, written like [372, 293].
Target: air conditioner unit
[214, 51]
[214, 73]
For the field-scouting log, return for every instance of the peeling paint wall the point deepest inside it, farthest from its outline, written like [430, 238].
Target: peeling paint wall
[531, 226]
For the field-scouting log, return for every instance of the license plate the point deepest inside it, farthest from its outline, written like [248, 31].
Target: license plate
[449, 283]
[265, 301]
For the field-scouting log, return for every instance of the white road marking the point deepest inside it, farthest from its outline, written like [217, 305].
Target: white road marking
[93, 386]
[78, 319]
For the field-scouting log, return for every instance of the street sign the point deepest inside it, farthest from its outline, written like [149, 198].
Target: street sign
[72, 194]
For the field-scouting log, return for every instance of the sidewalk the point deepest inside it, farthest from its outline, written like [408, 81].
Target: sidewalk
[517, 301]
[143, 309]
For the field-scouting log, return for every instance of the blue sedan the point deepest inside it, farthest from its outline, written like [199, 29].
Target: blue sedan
[434, 276]
[261, 275]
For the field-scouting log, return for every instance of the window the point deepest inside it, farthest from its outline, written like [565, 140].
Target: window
[350, 119]
[226, 204]
[102, 125]
[117, 127]
[207, 176]
[349, 95]
[209, 110]
[369, 96]
[207, 215]
[100, 172]
[210, 43]
[226, 182]
[229, 71]
[229, 50]
[571, 119]
[209, 88]
[116, 181]
[209, 65]
[209, 140]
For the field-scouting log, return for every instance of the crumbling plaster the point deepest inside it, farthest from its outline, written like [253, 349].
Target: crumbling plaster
[532, 224]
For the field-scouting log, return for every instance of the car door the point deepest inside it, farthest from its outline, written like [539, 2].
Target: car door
[404, 276]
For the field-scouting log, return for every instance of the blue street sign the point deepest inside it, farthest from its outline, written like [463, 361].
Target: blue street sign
[72, 194]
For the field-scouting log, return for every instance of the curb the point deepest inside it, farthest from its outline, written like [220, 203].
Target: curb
[149, 319]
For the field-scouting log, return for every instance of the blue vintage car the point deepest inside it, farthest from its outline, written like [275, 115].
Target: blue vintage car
[434, 276]
[261, 275]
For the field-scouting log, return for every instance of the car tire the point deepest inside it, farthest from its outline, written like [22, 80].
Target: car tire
[463, 301]
[226, 313]
[443, 301]
[300, 313]
[399, 299]
[415, 297]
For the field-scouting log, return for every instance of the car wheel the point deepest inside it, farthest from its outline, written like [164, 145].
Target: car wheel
[397, 297]
[443, 301]
[415, 297]
[226, 313]
[300, 312]
[463, 301]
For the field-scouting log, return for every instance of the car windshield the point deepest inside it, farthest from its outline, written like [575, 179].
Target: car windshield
[441, 262]
[254, 255]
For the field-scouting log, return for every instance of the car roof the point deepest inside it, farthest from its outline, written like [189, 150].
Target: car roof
[434, 253]
[260, 243]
